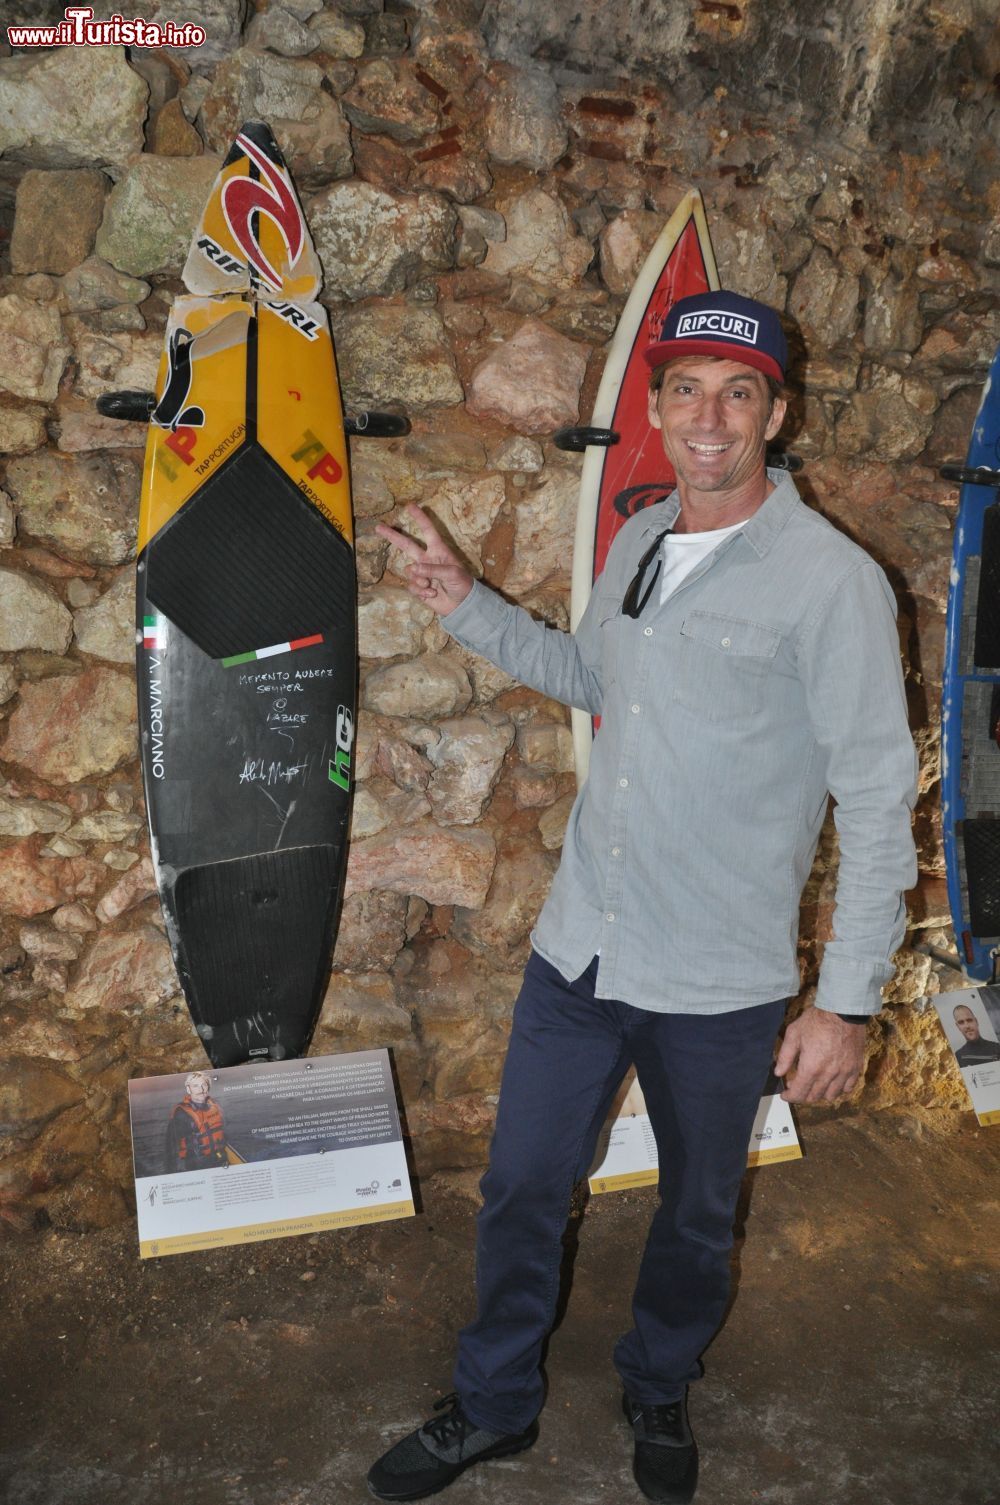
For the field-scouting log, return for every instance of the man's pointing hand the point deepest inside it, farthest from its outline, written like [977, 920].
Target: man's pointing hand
[436, 574]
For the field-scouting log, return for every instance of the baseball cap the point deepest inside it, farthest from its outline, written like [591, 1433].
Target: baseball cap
[725, 325]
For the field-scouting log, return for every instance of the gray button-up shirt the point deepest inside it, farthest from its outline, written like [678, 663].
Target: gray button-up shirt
[767, 681]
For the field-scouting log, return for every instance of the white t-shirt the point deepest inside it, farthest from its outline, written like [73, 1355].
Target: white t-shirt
[682, 551]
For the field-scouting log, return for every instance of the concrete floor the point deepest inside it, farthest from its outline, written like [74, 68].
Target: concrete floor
[858, 1365]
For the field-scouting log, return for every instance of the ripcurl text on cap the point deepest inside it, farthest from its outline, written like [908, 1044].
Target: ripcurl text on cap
[725, 325]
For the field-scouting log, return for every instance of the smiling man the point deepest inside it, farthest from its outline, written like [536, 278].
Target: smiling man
[976, 1051]
[742, 656]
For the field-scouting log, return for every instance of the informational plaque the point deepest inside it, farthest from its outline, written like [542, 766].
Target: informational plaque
[971, 1021]
[630, 1158]
[237, 1154]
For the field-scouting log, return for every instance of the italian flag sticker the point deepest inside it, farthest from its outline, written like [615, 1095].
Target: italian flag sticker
[247, 658]
[153, 634]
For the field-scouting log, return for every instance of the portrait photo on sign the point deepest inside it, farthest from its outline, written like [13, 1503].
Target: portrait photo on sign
[971, 1022]
[179, 1124]
[970, 1025]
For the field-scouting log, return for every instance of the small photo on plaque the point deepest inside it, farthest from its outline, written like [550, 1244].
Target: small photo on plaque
[971, 1022]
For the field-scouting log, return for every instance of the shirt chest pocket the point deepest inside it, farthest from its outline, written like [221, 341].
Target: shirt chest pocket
[723, 665]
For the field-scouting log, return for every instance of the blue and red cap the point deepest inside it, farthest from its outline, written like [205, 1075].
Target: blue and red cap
[725, 325]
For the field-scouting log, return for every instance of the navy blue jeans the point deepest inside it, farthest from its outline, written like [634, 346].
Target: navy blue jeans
[702, 1077]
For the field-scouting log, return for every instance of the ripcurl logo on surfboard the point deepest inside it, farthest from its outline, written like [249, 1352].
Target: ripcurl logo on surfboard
[242, 199]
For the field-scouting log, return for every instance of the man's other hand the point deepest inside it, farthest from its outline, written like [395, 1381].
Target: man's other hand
[437, 575]
[825, 1055]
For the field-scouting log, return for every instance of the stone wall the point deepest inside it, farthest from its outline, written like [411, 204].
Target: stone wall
[482, 183]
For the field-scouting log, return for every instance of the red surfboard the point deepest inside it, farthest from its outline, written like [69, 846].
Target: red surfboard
[621, 478]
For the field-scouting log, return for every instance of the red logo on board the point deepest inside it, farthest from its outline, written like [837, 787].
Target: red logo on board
[314, 453]
[243, 197]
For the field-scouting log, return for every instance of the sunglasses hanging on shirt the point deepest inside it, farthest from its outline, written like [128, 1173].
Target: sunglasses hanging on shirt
[632, 606]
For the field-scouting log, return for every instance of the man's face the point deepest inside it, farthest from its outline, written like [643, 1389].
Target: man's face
[967, 1022]
[198, 1089]
[715, 418]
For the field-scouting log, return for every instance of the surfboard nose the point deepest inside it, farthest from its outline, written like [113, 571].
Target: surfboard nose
[252, 236]
[260, 133]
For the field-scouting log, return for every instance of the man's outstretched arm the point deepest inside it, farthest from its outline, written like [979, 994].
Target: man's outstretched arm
[564, 666]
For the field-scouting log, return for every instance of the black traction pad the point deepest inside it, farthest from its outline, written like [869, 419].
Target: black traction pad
[987, 647]
[291, 573]
[255, 934]
[981, 842]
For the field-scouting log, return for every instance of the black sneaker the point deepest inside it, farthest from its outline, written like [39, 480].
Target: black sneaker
[666, 1454]
[436, 1453]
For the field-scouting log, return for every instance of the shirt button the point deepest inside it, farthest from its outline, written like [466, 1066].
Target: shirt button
[647, 632]
[726, 642]
[616, 851]
[623, 783]
[610, 918]
[635, 710]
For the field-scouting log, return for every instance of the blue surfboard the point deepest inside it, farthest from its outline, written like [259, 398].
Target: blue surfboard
[970, 715]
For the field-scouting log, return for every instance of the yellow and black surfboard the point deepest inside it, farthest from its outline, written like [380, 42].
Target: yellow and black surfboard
[246, 616]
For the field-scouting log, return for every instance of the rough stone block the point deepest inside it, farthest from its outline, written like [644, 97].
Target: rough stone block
[532, 381]
[442, 866]
[544, 524]
[467, 759]
[73, 727]
[467, 510]
[22, 429]
[107, 629]
[624, 245]
[372, 242]
[394, 353]
[124, 970]
[540, 243]
[390, 623]
[172, 134]
[31, 883]
[429, 686]
[56, 216]
[372, 932]
[280, 30]
[32, 1093]
[336, 35]
[84, 507]
[25, 816]
[523, 124]
[521, 882]
[31, 615]
[223, 21]
[56, 110]
[387, 99]
[153, 211]
[33, 352]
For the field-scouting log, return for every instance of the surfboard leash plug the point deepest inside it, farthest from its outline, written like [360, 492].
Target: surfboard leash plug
[132, 407]
[979, 475]
[580, 438]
